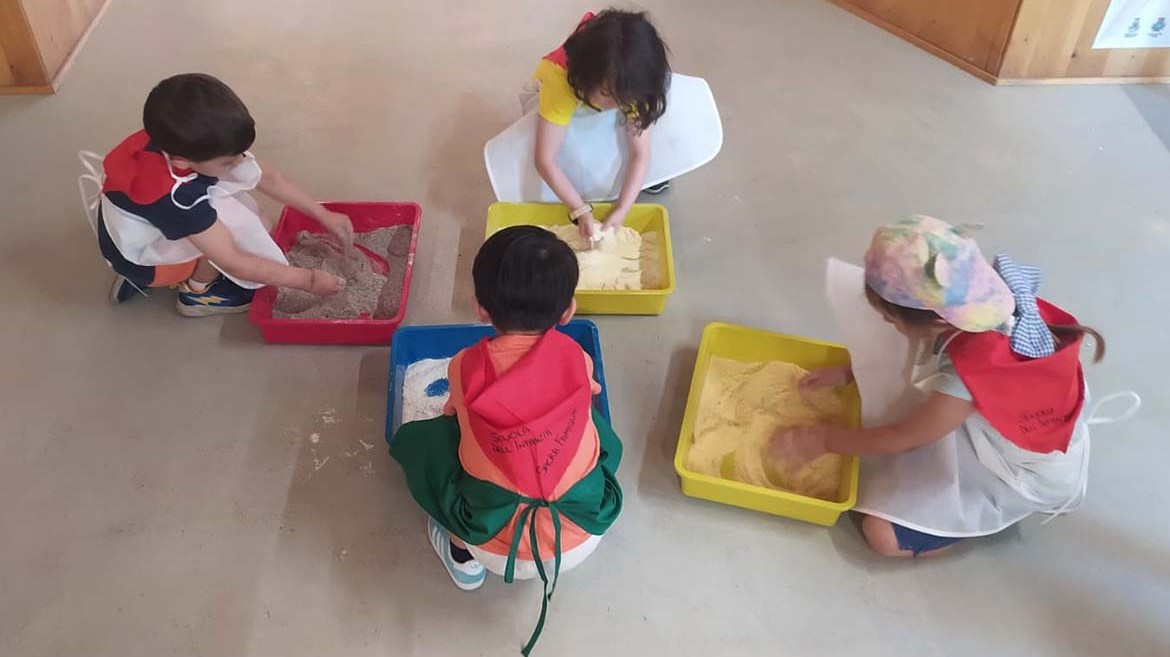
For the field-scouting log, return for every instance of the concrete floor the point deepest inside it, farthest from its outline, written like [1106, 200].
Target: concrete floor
[161, 494]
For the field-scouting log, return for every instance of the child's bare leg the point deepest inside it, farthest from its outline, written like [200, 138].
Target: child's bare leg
[880, 535]
[458, 543]
[204, 273]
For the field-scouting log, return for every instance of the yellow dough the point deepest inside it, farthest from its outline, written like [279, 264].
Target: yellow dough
[742, 405]
[622, 259]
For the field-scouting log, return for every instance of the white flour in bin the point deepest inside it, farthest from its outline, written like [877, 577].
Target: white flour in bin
[425, 391]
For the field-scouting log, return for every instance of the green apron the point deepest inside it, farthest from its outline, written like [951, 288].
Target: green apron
[476, 511]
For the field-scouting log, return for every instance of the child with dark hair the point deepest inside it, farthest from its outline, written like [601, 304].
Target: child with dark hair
[999, 429]
[174, 212]
[518, 474]
[615, 60]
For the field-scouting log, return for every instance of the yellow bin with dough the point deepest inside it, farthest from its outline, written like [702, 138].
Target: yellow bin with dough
[750, 345]
[643, 217]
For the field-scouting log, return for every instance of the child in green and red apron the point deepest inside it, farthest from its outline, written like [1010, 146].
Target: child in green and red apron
[518, 474]
[1000, 430]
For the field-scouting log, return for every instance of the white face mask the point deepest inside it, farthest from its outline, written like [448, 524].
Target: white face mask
[243, 177]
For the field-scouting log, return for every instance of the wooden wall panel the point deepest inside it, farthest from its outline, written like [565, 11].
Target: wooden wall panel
[972, 31]
[1054, 39]
[59, 27]
[20, 65]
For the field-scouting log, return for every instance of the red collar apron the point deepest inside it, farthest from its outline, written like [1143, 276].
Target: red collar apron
[1034, 403]
[530, 420]
[558, 56]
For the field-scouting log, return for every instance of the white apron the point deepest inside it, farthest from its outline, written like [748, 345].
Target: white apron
[593, 156]
[141, 243]
[973, 482]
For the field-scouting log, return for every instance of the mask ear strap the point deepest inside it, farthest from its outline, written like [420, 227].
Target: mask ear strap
[179, 182]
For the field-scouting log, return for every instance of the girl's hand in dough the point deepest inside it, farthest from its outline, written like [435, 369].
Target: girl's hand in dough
[616, 218]
[798, 444]
[588, 226]
[829, 377]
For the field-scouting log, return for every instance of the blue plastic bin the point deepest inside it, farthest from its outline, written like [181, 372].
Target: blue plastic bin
[415, 343]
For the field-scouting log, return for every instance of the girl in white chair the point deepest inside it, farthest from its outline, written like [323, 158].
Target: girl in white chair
[1002, 431]
[614, 60]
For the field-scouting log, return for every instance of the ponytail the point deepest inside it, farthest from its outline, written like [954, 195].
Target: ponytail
[1071, 332]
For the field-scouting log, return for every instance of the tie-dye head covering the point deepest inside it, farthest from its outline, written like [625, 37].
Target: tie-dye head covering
[928, 264]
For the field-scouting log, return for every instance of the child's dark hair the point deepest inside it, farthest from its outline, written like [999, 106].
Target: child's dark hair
[197, 117]
[621, 52]
[525, 278]
[918, 317]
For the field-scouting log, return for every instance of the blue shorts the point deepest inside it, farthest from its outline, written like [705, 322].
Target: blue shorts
[919, 542]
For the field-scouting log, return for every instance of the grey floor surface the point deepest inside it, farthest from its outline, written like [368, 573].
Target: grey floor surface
[160, 492]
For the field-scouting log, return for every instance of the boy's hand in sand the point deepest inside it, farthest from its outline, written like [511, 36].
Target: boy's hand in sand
[323, 283]
[829, 377]
[337, 224]
[798, 444]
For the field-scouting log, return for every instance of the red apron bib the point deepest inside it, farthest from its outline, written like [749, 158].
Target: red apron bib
[1034, 403]
[558, 56]
[530, 420]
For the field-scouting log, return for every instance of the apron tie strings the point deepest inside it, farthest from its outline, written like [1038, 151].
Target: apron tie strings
[528, 516]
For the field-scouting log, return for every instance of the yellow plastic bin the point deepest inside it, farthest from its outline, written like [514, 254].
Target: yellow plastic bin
[750, 345]
[643, 217]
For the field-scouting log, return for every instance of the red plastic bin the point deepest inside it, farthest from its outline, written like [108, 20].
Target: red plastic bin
[366, 216]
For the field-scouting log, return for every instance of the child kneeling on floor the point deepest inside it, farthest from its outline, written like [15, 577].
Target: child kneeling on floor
[1001, 429]
[614, 60]
[518, 475]
[174, 210]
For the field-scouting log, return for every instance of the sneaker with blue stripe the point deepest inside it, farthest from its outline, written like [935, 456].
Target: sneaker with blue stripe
[222, 297]
[467, 576]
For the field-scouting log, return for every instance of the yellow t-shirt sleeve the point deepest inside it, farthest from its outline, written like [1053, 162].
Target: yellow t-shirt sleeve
[557, 100]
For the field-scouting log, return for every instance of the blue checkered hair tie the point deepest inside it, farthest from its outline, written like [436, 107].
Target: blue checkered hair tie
[1030, 335]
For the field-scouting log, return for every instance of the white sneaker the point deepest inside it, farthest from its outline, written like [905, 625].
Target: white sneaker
[467, 576]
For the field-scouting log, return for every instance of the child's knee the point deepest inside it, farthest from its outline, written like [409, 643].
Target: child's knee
[879, 534]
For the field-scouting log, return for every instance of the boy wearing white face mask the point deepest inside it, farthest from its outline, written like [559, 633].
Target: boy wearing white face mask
[174, 212]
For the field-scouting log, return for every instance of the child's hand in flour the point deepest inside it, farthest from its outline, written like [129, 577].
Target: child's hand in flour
[798, 445]
[588, 227]
[322, 283]
[829, 377]
[338, 224]
[616, 218]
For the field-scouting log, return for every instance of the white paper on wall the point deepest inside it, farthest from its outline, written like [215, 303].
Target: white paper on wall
[1135, 24]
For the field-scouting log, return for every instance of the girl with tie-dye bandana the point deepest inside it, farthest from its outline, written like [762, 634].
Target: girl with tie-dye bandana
[1001, 429]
